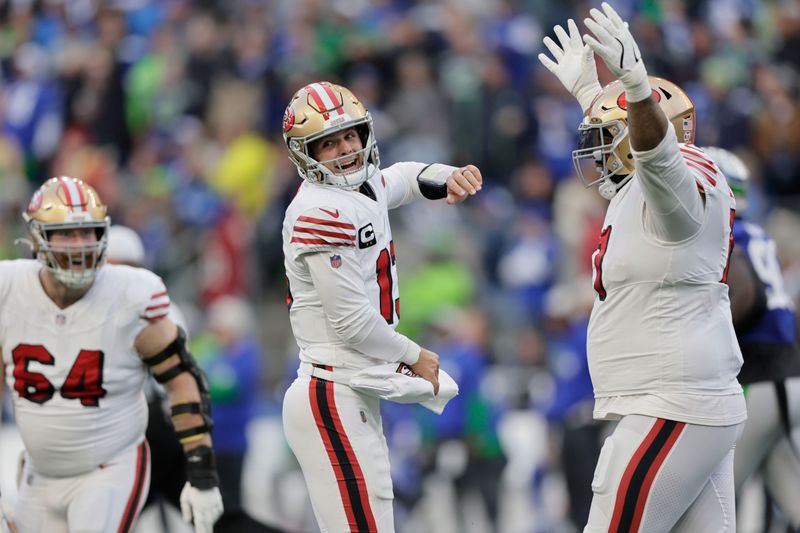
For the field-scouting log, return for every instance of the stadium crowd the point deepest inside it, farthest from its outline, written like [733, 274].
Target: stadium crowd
[171, 110]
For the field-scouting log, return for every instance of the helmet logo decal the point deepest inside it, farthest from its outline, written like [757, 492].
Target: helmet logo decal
[326, 100]
[36, 201]
[622, 101]
[288, 119]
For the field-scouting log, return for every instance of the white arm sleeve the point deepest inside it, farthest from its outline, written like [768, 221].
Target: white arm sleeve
[401, 180]
[344, 299]
[674, 207]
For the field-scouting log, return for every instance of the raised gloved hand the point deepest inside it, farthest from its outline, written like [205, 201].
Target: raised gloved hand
[574, 64]
[201, 507]
[613, 42]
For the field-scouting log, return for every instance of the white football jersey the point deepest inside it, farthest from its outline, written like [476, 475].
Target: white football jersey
[346, 226]
[660, 340]
[74, 374]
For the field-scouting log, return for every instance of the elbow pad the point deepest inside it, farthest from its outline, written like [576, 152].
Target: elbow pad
[186, 363]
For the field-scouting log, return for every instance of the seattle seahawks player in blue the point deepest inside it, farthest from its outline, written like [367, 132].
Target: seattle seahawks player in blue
[766, 326]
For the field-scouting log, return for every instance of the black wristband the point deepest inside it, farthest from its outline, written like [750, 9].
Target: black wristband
[201, 468]
[430, 189]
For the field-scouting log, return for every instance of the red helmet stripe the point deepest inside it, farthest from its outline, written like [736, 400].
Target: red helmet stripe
[73, 194]
[62, 183]
[324, 98]
[318, 100]
[81, 195]
[333, 99]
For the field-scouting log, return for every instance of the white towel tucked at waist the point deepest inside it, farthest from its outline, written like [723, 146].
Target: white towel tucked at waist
[396, 382]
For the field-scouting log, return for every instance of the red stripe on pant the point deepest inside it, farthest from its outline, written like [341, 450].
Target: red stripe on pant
[634, 487]
[132, 507]
[349, 477]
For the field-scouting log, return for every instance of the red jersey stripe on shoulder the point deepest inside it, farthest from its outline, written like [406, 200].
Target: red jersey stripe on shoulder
[325, 222]
[708, 166]
[703, 171]
[695, 151]
[301, 240]
[699, 159]
[324, 233]
[158, 295]
[153, 318]
[154, 307]
[693, 147]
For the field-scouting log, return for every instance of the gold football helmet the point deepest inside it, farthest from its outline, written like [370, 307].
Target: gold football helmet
[603, 134]
[317, 110]
[65, 203]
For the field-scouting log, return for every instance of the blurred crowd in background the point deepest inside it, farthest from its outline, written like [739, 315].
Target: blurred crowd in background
[172, 110]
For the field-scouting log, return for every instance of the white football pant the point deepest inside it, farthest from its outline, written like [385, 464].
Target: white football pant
[655, 476]
[107, 499]
[337, 436]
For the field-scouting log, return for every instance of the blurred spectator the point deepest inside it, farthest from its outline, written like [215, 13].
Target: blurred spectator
[31, 108]
[231, 356]
[570, 407]
[466, 447]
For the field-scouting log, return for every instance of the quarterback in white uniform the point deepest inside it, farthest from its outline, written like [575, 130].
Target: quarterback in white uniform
[77, 337]
[344, 302]
[663, 355]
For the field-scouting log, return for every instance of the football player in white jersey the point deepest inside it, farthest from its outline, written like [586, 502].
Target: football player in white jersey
[77, 338]
[344, 301]
[662, 351]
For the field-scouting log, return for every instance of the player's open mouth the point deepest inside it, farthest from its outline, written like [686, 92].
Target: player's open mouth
[75, 263]
[349, 166]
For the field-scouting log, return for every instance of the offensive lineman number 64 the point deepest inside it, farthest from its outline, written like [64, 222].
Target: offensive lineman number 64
[84, 381]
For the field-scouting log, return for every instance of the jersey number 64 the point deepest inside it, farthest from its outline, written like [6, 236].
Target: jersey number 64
[84, 381]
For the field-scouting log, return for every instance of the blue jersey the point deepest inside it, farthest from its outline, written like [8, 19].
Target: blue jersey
[769, 348]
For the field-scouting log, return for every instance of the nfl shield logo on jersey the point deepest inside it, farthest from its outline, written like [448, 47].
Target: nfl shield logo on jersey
[336, 261]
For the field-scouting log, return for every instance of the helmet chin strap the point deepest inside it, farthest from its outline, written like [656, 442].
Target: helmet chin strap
[609, 188]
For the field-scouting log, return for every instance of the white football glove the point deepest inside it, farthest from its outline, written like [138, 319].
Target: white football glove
[613, 42]
[201, 507]
[574, 64]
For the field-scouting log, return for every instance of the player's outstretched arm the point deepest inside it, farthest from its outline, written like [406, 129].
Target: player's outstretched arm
[611, 39]
[162, 346]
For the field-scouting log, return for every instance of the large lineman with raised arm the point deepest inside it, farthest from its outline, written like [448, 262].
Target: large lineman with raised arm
[344, 301]
[662, 351]
[77, 337]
